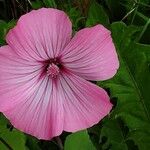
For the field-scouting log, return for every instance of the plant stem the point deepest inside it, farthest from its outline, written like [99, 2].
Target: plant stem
[144, 29]
[132, 10]
[135, 12]
[59, 142]
[143, 4]
[142, 16]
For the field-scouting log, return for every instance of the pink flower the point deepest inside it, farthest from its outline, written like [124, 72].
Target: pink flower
[43, 73]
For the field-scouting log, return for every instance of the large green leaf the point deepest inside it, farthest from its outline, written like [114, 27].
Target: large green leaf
[116, 137]
[13, 140]
[130, 87]
[79, 141]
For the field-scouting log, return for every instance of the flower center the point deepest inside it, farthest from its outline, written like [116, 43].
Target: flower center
[53, 70]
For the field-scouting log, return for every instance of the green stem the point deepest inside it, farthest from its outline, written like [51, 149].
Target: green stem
[142, 16]
[132, 10]
[29, 2]
[58, 140]
[144, 29]
[135, 12]
[143, 4]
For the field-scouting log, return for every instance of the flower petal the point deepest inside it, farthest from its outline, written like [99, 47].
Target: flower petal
[41, 113]
[28, 100]
[44, 107]
[16, 76]
[85, 104]
[91, 54]
[40, 34]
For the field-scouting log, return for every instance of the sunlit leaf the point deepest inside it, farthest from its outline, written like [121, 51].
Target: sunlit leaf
[79, 141]
[14, 139]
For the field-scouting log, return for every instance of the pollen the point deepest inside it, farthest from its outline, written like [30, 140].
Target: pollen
[52, 70]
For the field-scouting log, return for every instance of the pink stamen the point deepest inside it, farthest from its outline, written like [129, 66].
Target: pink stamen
[53, 70]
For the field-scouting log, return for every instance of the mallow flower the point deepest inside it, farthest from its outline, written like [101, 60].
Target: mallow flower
[45, 74]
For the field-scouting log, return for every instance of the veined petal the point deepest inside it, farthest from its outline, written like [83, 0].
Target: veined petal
[44, 107]
[85, 104]
[40, 34]
[30, 101]
[91, 54]
[18, 77]
[41, 113]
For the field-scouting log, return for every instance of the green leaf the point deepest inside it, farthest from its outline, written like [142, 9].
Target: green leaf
[97, 15]
[4, 28]
[115, 135]
[75, 16]
[37, 4]
[135, 58]
[79, 140]
[50, 3]
[14, 139]
[130, 87]
[32, 143]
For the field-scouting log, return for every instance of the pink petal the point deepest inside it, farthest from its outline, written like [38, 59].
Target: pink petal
[44, 107]
[85, 104]
[91, 54]
[32, 104]
[40, 34]
[18, 77]
[41, 113]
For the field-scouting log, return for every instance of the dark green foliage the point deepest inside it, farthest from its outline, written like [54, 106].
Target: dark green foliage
[4, 28]
[129, 86]
[100, 16]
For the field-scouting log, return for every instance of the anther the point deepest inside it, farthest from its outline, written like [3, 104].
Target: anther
[52, 70]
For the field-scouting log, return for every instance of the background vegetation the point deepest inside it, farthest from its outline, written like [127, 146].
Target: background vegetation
[128, 125]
